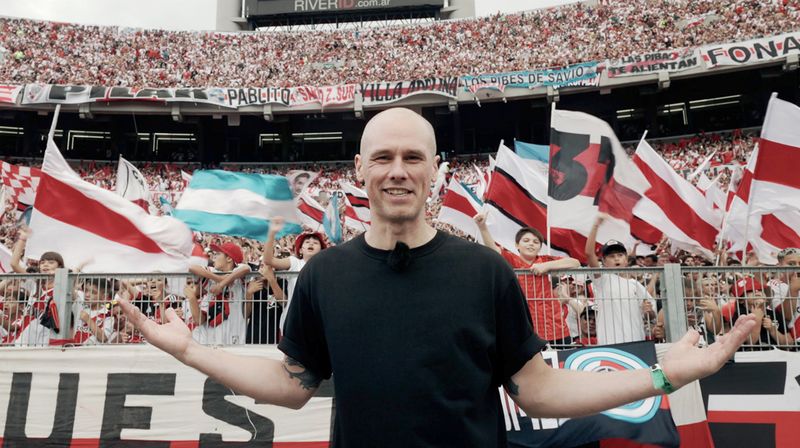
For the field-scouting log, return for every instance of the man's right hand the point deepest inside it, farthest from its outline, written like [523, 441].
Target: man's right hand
[174, 337]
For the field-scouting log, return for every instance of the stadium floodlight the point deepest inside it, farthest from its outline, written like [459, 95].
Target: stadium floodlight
[85, 111]
[552, 95]
[452, 105]
[792, 63]
[663, 80]
[268, 114]
[176, 113]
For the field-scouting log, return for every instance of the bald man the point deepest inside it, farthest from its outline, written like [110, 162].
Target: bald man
[420, 327]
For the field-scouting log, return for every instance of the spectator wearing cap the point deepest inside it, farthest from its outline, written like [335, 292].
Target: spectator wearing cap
[623, 304]
[752, 297]
[306, 246]
[221, 312]
[549, 312]
[587, 326]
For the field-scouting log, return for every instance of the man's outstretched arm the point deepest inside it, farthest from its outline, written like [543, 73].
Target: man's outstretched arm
[542, 391]
[284, 383]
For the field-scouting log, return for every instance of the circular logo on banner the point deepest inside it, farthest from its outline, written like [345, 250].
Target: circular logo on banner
[606, 359]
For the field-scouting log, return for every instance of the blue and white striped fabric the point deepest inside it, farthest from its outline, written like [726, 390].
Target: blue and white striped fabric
[237, 204]
[535, 156]
[532, 151]
[331, 221]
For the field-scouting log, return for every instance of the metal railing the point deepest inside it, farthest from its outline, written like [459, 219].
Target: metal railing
[568, 307]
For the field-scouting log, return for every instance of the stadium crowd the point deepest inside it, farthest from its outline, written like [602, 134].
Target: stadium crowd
[566, 309]
[60, 53]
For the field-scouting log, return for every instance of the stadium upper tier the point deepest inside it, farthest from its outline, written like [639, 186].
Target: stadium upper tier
[59, 53]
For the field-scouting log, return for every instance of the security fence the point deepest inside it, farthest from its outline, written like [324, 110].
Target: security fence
[568, 308]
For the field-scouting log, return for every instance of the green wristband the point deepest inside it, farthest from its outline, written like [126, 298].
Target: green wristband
[660, 380]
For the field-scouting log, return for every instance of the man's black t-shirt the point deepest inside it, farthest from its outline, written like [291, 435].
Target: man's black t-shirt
[418, 355]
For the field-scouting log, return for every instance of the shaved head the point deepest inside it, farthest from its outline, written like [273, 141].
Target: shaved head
[394, 121]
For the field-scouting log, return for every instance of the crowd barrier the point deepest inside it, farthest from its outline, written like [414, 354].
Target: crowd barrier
[569, 308]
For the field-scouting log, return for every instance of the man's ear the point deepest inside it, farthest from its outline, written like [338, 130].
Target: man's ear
[358, 162]
[436, 160]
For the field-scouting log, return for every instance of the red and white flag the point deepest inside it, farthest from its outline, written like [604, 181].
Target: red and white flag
[310, 211]
[5, 260]
[21, 183]
[674, 206]
[768, 233]
[132, 185]
[357, 214]
[199, 256]
[9, 94]
[776, 184]
[437, 186]
[483, 181]
[517, 198]
[590, 173]
[459, 206]
[91, 225]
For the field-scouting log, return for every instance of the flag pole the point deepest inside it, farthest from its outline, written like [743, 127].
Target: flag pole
[52, 132]
[549, 160]
[725, 220]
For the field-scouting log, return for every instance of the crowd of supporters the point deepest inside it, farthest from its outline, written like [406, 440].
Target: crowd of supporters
[60, 53]
[730, 149]
[567, 310]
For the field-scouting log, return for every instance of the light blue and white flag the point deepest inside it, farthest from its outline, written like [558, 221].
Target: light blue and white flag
[535, 156]
[237, 204]
[331, 221]
[166, 206]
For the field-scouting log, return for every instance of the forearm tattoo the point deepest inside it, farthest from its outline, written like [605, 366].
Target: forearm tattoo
[307, 379]
[512, 387]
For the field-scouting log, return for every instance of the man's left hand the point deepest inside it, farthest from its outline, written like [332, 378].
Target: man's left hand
[685, 362]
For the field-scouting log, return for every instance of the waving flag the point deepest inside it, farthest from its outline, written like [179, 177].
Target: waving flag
[776, 185]
[299, 180]
[537, 156]
[88, 224]
[21, 183]
[590, 173]
[766, 233]
[483, 181]
[186, 178]
[237, 204]
[131, 184]
[674, 206]
[437, 186]
[357, 214]
[5, 260]
[166, 206]
[310, 211]
[517, 198]
[459, 206]
[331, 221]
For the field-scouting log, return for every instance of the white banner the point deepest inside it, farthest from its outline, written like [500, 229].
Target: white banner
[230, 97]
[136, 393]
[752, 51]
[109, 395]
